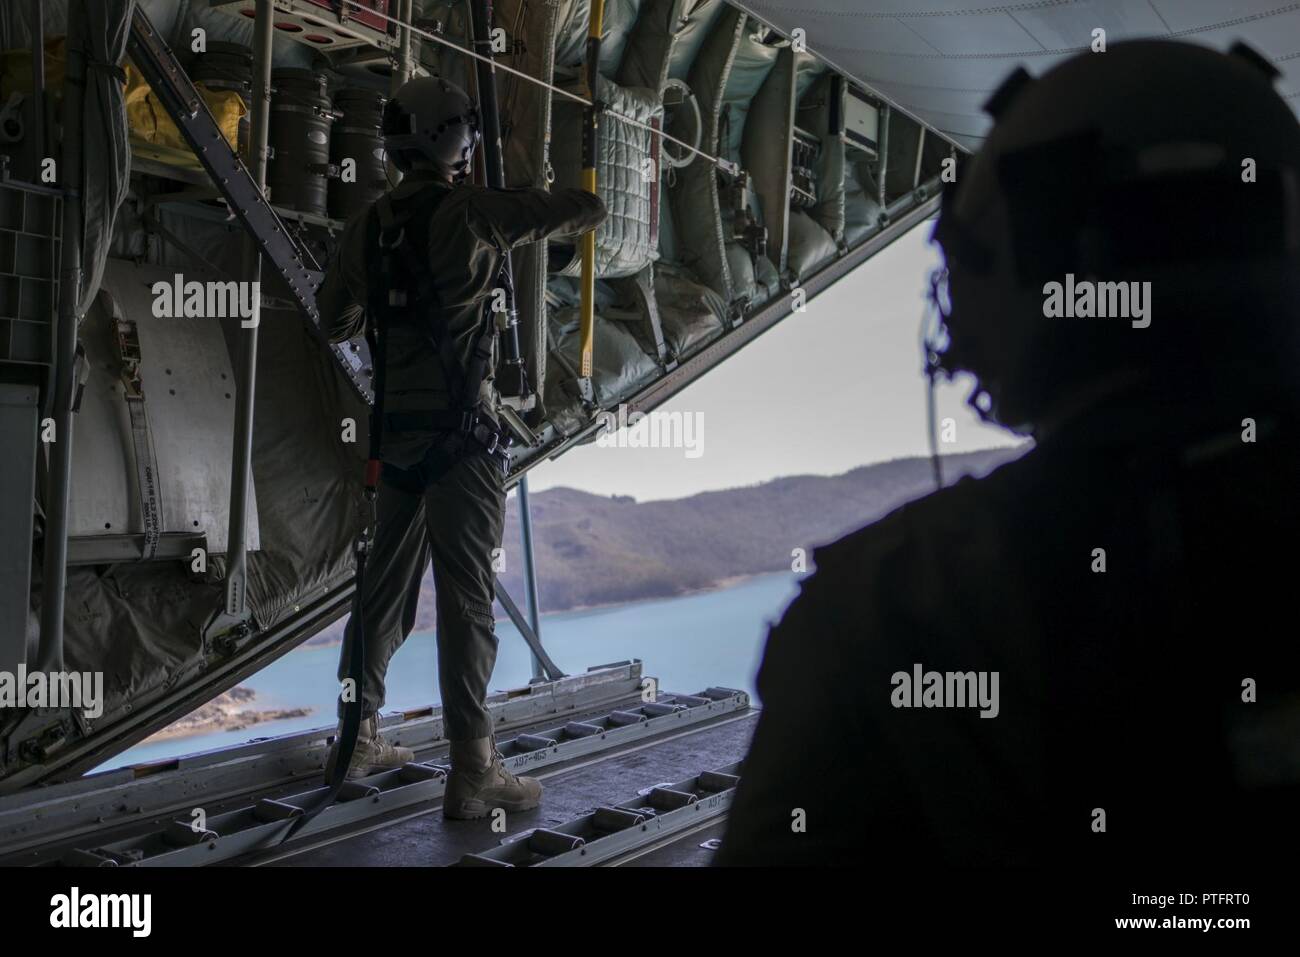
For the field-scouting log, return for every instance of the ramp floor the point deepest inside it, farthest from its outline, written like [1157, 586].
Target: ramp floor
[423, 837]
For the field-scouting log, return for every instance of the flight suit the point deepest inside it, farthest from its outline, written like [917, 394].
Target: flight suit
[454, 518]
[1122, 579]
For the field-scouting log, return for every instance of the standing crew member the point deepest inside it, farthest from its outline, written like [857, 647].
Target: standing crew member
[441, 494]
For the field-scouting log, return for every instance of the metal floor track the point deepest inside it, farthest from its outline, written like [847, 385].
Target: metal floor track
[656, 815]
[591, 738]
[39, 823]
[573, 789]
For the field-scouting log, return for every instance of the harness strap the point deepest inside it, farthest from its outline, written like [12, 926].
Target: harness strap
[441, 420]
[425, 292]
[350, 729]
[392, 232]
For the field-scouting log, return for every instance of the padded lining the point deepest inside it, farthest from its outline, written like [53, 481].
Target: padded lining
[571, 39]
[620, 365]
[690, 312]
[627, 241]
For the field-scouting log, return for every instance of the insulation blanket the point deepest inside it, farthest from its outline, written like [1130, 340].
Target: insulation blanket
[620, 367]
[627, 177]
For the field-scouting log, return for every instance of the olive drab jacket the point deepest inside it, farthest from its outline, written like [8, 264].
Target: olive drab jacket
[464, 236]
[1127, 585]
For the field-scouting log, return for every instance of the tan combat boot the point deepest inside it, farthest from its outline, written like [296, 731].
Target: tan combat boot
[478, 783]
[372, 752]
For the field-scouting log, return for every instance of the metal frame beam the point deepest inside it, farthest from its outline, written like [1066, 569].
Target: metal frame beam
[19, 417]
[49, 656]
[404, 61]
[882, 160]
[39, 99]
[920, 154]
[530, 572]
[540, 657]
[237, 614]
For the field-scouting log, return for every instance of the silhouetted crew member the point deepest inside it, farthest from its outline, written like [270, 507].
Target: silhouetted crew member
[1124, 579]
[441, 494]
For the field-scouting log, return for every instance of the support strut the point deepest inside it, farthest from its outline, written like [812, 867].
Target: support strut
[587, 327]
[512, 379]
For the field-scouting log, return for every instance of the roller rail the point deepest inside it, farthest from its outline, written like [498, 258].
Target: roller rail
[194, 839]
[611, 831]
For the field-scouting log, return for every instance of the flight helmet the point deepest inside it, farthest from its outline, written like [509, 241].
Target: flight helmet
[1166, 170]
[430, 121]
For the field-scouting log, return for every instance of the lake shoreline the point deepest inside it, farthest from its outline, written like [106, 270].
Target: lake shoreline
[236, 709]
[721, 584]
[230, 711]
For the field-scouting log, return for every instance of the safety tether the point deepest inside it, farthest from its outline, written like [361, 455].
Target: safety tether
[390, 237]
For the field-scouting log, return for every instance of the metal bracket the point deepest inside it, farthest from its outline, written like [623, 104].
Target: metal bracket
[517, 426]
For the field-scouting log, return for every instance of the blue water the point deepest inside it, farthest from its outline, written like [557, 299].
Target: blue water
[689, 644]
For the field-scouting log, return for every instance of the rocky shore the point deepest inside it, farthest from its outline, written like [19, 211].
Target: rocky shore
[232, 711]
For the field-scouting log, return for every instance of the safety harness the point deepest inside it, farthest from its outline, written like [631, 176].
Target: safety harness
[406, 294]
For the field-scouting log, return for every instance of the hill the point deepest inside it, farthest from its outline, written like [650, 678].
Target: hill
[599, 550]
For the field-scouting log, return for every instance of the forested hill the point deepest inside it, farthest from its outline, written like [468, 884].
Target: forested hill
[601, 550]
[594, 549]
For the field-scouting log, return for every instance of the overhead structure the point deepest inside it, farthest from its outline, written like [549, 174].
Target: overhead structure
[940, 60]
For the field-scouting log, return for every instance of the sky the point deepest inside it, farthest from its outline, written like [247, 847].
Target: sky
[824, 391]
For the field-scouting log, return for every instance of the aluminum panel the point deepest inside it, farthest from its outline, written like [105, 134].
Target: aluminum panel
[189, 394]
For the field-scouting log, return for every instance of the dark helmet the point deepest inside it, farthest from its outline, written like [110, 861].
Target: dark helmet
[433, 121]
[1155, 163]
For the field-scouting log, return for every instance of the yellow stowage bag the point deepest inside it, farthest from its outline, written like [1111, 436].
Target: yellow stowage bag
[144, 114]
[150, 122]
